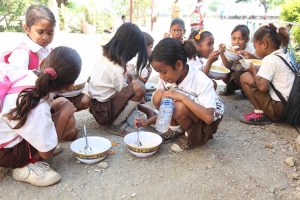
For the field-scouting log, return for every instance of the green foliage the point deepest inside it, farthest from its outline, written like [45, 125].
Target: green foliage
[139, 8]
[214, 5]
[11, 13]
[265, 3]
[290, 12]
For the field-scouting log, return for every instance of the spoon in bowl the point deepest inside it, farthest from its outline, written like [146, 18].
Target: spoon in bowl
[246, 60]
[87, 148]
[138, 142]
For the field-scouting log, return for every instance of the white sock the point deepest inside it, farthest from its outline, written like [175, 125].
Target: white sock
[258, 111]
[131, 105]
[177, 128]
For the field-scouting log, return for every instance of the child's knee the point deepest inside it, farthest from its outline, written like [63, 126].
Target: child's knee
[85, 103]
[180, 111]
[139, 88]
[246, 77]
[70, 132]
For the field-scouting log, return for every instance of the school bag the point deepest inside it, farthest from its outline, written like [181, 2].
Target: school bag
[196, 18]
[33, 57]
[292, 106]
[6, 87]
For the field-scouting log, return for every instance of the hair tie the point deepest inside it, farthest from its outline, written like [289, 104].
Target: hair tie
[198, 36]
[51, 72]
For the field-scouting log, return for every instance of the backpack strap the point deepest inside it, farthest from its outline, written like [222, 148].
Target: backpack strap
[287, 64]
[18, 88]
[282, 99]
[33, 57]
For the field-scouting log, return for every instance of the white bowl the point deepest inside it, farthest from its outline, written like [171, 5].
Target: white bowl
[150, 143]
[231, 54]
[77, 88]
[246, 63]
[99, 145]
[218, 71]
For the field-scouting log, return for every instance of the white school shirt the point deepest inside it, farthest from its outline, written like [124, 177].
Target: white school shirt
[131, 67]
[107, 78]
[197, 63]
[199, 88]
[39, 129]
[20, 57]
[275, 70]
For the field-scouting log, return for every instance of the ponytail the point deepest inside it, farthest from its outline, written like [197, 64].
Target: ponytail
[65, 67]
[190, 49]
[169, 51]
[278, 36]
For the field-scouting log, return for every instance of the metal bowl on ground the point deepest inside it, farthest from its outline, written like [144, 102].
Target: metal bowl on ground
[99, 145]
[231, 54]
[150, 143]
[218, 71]
[246, 63]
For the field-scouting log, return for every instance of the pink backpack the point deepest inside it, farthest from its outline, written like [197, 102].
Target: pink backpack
[33, 57]
[6, 87]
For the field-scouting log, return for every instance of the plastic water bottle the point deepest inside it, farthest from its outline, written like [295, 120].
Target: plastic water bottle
[164, 115]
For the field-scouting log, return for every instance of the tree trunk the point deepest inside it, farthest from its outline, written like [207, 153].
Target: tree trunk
[52, 5]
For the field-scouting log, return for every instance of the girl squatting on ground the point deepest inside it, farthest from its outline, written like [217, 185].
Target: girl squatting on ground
[240, 38]
[30, 125]
[39, 28]
[268, 41]
[111, 84]
[197, 111]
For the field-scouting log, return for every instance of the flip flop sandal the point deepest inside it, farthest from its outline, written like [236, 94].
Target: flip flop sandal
[120, 130]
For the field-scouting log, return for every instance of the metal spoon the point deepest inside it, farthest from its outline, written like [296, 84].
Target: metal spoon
[87, 148]
[138, 142]
[246, 60]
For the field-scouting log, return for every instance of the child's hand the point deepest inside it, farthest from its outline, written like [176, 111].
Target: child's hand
[213, 56]
[166, 35]
[140, 122]
[246, 54]
[222, 47]
[252, 69]
[174, 95]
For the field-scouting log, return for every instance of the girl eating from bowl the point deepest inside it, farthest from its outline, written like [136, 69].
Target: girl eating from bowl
[206, 54]
[197, 111]
[239, 40]
[268, 41]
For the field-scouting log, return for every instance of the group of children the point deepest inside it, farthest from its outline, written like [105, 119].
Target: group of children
[33, 121]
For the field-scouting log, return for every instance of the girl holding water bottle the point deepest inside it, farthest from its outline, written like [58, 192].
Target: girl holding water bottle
[197, 108]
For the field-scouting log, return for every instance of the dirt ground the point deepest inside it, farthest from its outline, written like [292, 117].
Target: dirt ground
[241, 162]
